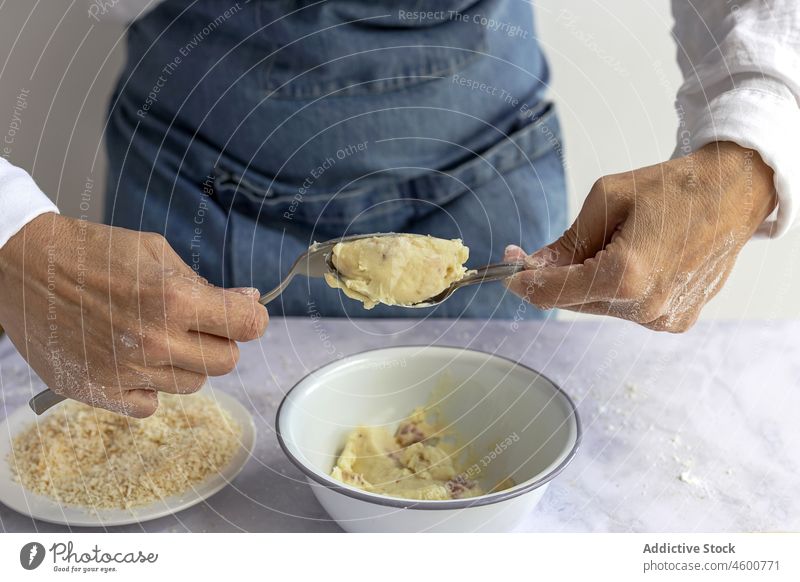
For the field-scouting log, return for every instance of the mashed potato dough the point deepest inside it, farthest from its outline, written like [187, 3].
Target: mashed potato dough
[397, 270]
[415, 463]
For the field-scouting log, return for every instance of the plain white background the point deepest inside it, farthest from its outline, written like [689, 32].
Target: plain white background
[614, 79]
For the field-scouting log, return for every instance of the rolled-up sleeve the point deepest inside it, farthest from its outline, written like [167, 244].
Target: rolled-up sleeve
[741, 68]
[21, 200]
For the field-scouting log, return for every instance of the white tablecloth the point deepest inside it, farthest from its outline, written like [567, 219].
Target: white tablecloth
[696, 432]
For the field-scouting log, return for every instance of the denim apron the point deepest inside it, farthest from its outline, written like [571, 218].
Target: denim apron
[244, 131]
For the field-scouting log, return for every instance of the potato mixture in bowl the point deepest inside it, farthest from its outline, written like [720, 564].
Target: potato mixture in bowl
[420, 461]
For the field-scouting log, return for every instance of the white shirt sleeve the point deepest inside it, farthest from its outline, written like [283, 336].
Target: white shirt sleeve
[20, 200]
[741, 68]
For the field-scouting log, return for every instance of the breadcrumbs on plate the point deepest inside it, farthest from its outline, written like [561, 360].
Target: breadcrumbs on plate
[86, 456]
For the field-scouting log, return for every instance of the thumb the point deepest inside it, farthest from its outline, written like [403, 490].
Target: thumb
[538, 260]
[513, 253]
[601, 215]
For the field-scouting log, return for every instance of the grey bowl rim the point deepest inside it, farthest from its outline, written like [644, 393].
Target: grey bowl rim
[452, 504]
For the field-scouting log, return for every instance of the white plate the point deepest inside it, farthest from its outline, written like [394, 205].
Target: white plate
[15, 496]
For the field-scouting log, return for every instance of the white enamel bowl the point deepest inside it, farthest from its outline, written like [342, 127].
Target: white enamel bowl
[516, 422]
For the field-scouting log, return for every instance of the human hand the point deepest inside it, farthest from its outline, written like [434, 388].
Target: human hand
[110, 316]
[653, 245]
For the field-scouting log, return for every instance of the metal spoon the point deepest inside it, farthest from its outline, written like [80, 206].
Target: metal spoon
[315, 262]
[495, 272]
[45, 400]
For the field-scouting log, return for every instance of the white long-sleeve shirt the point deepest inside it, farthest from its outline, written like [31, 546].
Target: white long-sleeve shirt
[741, 66]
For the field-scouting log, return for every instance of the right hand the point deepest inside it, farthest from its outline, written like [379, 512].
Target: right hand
[111, 317]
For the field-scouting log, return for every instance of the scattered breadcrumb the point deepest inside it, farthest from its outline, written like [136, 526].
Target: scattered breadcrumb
[689, 479]
[90, 457]
[631, 390]
[702, 489]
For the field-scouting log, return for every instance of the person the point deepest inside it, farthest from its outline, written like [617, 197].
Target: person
[239, 132]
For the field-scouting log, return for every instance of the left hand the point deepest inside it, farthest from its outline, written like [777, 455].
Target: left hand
[654, 245]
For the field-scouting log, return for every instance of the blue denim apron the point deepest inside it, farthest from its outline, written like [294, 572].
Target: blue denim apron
[245, 131]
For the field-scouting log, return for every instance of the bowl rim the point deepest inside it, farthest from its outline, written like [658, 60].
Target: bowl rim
[398, 502]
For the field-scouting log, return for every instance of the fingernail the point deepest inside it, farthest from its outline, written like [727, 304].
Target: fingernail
[248, 291]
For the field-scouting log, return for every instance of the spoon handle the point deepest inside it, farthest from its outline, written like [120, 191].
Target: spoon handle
[495, 272]
[44, 400]
[267, 297]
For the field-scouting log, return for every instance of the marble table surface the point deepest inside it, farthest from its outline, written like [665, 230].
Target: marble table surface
[694, 432]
